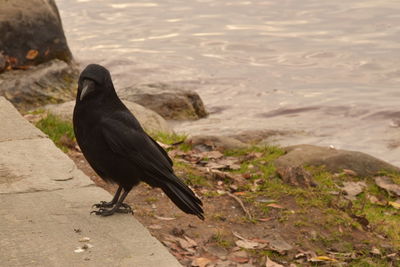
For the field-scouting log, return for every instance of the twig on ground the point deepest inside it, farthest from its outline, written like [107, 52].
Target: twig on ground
[238, 200]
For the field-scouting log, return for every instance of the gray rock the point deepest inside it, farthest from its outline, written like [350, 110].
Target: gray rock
[296, 176]
[150, 120]
[2, 62]
[210, 142]
[50, 82]
[334, 160]
[35, 26]
[171, 102]
[260, 137]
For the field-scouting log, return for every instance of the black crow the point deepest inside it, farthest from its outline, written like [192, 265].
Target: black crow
[119, 150]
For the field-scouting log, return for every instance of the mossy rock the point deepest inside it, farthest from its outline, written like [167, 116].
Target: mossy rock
[31, 33]
[170, 101]
[334, 160]
[51, 82]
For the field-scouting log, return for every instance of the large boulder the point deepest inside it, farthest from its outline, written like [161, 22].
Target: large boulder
[171, 102]
[34, 51]
[31, 33]
[51, 82]
[334, 160]
[150, 120]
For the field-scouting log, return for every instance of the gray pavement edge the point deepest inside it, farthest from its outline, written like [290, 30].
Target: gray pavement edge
[45, 203]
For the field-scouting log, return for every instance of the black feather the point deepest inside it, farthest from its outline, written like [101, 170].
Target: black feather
[117, 147]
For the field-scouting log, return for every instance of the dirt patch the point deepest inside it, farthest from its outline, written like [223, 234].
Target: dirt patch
[252, 217]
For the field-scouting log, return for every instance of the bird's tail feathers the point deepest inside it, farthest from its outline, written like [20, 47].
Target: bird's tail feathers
[183, 197]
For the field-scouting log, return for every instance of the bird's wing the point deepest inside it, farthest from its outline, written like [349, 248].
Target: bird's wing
[135, 145]
[162, 150]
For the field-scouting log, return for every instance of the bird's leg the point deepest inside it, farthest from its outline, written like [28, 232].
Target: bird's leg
[119, 207]
[104, 204]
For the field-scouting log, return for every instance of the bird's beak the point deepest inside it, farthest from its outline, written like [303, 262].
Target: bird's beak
[88, 86]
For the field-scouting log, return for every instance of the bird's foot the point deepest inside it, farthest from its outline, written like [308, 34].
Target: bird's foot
[122, 208]
[103, 204]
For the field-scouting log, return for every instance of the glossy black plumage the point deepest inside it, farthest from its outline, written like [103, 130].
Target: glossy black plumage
[118, 149]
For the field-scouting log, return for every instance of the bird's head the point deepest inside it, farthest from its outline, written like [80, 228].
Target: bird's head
[95, 80]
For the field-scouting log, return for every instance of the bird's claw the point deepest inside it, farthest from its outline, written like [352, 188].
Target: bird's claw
[126, 209]
[126, 206]
[102, 211]
[103, 204]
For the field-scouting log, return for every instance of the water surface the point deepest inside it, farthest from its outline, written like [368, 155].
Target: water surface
[327, 72]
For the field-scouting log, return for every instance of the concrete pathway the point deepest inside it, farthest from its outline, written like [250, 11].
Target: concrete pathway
[44, 208]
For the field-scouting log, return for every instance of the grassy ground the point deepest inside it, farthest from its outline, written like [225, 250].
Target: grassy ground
[291, 224]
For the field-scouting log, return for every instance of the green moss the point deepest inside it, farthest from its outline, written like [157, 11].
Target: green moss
[191, 175]
[37, 111]
[171, 139]
[301, 223]
[56, 128]
[218, 217]
[210, 194]
[221, 240]
[168, 139]
[151, 200]
[193, 180]
[385, 220]
[370, 262]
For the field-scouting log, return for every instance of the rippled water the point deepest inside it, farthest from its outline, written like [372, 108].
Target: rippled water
[327, 72]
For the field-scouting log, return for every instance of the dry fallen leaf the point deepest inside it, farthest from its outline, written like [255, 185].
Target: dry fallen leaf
[246, 175]
[274, 205]
[234, 167]
[264, 219]
[322, 258]
[352, 189]
[201, 262]
[32, 54]
[276, 242]
[238, 235]
[395, 205]
[375, 200]
[165, 146]
[247, 244]
[349, 172]
[155, 227]
[387, 183]
[375, 251]
[217, 166]
[164, 218]
[271, 263]
[191, 241]
[211, 154]
[240, 260]
[184, 244]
